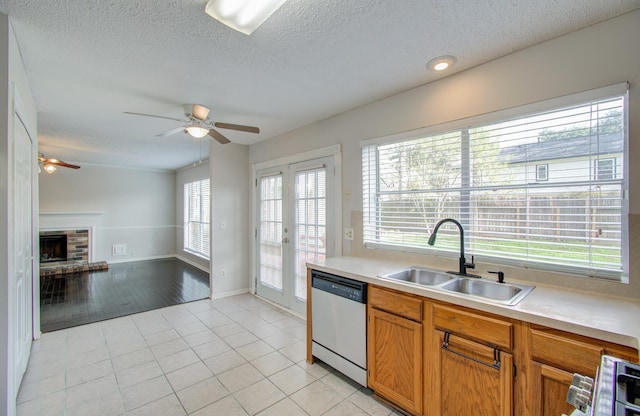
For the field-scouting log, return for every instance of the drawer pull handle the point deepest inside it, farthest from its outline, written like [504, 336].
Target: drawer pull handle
[496, 353]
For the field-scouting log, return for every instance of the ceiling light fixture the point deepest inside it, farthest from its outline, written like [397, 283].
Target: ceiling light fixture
[441, 63]
[242, 15]
[197, 131]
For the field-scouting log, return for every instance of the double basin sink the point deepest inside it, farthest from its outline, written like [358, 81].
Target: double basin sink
[473, 287]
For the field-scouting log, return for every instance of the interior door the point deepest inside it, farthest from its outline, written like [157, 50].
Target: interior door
[294, 221]
[23, 254]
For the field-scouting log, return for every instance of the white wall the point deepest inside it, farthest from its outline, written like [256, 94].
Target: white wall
[126, 206]
[13, 80]
[230, 194]
[597, 56]
[183, 176]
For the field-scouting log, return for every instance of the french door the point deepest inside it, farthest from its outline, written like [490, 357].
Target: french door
[294, 225]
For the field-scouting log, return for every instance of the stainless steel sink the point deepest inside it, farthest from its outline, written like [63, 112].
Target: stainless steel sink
[505, 293]
[419, 275]
[487, 290]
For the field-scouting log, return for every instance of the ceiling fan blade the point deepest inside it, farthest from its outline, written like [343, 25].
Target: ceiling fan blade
[239, 127]
[170, 132]
[58, 162]
[65, 164]
[218, 136]
[154, 116]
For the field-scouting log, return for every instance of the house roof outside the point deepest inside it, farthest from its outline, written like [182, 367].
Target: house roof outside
[574, 147]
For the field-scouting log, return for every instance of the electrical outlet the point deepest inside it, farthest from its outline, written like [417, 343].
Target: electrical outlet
[223, 273]
[348, 233]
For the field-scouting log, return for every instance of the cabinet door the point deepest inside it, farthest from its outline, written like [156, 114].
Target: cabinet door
[469, 380]
[395, 359]
[549, 387]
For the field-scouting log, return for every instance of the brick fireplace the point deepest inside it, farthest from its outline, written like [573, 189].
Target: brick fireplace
[75, 249]
[66, 251]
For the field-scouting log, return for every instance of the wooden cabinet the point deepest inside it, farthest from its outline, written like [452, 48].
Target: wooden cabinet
[434, 358]
[394, 348]
[473, 379]
[554, 356]
[471, 367]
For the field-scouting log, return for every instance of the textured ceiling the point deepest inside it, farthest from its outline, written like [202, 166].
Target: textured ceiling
[89, 61]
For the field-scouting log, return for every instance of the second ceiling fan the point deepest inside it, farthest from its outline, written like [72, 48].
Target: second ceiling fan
[198, 124]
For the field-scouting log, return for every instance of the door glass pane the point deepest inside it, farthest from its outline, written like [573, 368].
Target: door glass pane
[310, 224]
[271, 231]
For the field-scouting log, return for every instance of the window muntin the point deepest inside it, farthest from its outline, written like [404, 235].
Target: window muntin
[196, 231]
[486, 175]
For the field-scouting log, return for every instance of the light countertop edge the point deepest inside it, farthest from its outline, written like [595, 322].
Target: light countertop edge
[609, 319]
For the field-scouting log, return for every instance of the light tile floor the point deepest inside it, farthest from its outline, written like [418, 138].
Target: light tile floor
[232, 356]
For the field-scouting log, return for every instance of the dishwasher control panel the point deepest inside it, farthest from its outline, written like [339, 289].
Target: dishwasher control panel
[339, 286]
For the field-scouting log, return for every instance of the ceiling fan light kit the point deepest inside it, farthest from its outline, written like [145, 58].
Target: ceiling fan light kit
[49, 168]
[197, 131]
[242, 15]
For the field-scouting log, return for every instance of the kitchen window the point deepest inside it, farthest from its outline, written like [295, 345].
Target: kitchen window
[197, 218]
[485, 172]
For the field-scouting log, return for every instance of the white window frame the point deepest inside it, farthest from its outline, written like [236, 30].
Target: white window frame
[197, 210]
[370, 205]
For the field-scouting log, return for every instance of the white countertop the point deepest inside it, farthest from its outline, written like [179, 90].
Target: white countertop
[606, 318]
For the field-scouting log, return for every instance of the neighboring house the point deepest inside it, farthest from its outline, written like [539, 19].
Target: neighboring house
[557, 161]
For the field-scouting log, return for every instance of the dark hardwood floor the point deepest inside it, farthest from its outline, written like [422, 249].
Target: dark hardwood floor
[126, 288]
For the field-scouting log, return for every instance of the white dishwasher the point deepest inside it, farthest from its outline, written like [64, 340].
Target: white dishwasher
[339, 323]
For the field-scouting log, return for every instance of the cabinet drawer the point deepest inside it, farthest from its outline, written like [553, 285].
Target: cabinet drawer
[492, 331]
[569, 354]
[403, 305]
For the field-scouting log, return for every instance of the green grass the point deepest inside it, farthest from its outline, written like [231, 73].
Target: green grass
[561, 251]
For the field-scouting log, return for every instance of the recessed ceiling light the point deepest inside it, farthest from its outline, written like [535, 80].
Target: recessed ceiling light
[441, 63]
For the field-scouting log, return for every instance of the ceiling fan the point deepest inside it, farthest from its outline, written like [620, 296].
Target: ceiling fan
[198, 124]
[50, 165]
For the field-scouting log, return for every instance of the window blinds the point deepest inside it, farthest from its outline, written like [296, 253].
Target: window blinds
[541, 190]
[197, 238]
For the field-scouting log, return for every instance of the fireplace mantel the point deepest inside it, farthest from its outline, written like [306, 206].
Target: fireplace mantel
[62, 221]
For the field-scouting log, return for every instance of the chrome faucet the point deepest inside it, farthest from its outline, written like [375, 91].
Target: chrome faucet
[463, 265]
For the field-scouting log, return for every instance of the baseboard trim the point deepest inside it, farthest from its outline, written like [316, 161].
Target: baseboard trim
[193, 263]
[229, 293]
[282, 308]
[130, 259]
[166, 256]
